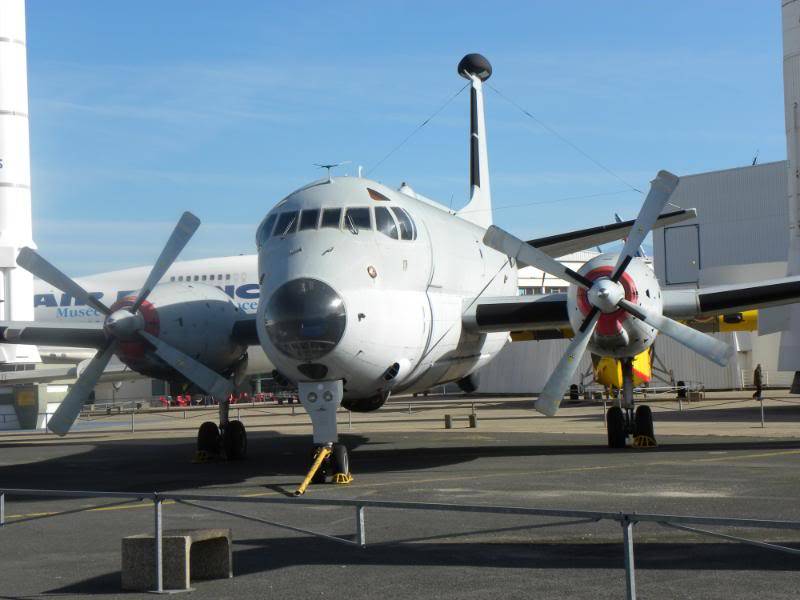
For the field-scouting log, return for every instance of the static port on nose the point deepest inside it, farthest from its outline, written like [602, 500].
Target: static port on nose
[305, 319]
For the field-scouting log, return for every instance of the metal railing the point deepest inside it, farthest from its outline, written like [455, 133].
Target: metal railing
[627, 520]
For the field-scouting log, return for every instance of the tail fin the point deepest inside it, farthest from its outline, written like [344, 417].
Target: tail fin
[478, 210]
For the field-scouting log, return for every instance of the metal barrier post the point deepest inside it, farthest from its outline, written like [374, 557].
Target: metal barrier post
[159, 564]
[362, 531]
[761, 400]
[133, 426]
[627, 541]
[2, 509]
[349, 420]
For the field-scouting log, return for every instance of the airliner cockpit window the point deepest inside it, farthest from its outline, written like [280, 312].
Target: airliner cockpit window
[265, 230]
[287, 223]
[357, 219]
[331, 218]
[385, 222]
[406, 224]
[309, 219]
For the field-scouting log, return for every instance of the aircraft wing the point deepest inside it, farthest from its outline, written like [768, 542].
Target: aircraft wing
[583, 239]
[72, 335]
[727, 299]
[547, 312]
[115, 371]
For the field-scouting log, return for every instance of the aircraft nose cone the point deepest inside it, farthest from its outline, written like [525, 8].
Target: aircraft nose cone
[305, 319]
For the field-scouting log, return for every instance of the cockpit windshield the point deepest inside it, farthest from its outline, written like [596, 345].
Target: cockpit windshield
[287, 223]
[393, 222]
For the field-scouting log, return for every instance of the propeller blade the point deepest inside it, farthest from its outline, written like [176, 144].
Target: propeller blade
[709, 347]
[504, 242]
[30, 260]
[181, 235]
[550, 398]
[207, 380]
[70, 407]
[661, 189]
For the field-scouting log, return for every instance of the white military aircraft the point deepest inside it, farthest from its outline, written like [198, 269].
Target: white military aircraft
[367, 291]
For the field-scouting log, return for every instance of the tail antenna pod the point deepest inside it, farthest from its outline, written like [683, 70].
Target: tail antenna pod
[477, 69]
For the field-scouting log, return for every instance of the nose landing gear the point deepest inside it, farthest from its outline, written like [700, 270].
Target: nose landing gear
[623, 420]
[321, 399]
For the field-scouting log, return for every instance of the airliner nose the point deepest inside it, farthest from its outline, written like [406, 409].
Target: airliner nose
[305, 319]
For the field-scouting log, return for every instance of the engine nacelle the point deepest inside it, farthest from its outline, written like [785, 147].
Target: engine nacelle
[618, 334]
[197, 319]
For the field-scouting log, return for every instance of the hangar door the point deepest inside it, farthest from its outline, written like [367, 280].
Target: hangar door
[682, 254]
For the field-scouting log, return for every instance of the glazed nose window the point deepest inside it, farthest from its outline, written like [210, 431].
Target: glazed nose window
[305, 319]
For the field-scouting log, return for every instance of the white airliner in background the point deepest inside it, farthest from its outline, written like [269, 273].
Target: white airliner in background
[361, 291]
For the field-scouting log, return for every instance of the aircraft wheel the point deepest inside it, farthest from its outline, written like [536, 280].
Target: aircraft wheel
[234, 440]
[324, 469]
[644, 422]
[615, 425]
[208, 438]
[340, 459]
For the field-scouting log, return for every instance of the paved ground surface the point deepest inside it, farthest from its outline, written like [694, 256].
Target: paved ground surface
[724, 465]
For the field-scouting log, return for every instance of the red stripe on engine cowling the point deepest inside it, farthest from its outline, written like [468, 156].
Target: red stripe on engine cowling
[133, 351]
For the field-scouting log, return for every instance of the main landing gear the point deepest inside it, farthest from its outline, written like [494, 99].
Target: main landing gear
[329, 458]
[626, 420]
[228, 439]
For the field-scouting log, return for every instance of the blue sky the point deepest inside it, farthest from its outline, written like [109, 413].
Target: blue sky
[141, 110]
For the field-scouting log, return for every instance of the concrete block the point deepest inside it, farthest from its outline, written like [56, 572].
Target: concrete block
[188, 554]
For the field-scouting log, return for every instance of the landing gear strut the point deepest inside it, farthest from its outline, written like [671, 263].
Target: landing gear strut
[625, 419]
[321, 399]
[228, 439]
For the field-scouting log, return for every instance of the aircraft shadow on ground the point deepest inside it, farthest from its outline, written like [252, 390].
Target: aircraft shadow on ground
[166, 465]
[272, 554]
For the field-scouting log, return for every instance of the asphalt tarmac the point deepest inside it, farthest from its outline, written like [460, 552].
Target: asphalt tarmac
[71, 547]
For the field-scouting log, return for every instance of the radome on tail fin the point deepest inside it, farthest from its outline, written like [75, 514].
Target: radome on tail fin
[476, 69]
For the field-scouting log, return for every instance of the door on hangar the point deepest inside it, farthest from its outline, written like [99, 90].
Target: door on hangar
[682, 254]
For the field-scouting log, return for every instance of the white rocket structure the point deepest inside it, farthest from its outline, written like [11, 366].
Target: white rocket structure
[16, 284]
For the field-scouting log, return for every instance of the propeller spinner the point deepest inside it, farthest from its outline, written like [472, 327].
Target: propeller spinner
[123, 325]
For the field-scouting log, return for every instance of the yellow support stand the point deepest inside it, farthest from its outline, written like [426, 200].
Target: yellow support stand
[323, 453]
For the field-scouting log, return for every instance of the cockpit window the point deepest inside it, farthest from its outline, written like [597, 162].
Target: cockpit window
[407, 230]
[265, 230]
[331, 218]
[385, 222]
[358, 218]
[287, 223]
[309, 219]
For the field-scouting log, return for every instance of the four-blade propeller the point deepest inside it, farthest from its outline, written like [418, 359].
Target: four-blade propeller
[125, 324]
[606, 295]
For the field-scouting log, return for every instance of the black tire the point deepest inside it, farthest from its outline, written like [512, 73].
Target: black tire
[644, 422]
[615, 425]
[234, 440]
[340, 459]
[324, 470]
[208, 438]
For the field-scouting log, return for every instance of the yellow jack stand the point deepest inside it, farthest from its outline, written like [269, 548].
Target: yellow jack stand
[342, 478]
[323, 453]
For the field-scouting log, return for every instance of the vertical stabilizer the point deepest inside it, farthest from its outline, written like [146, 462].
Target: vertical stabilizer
[478, 210]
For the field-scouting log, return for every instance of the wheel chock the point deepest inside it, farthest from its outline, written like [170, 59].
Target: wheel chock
[644, 441]
[323, 453]
[342, 478]
[203, 456]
